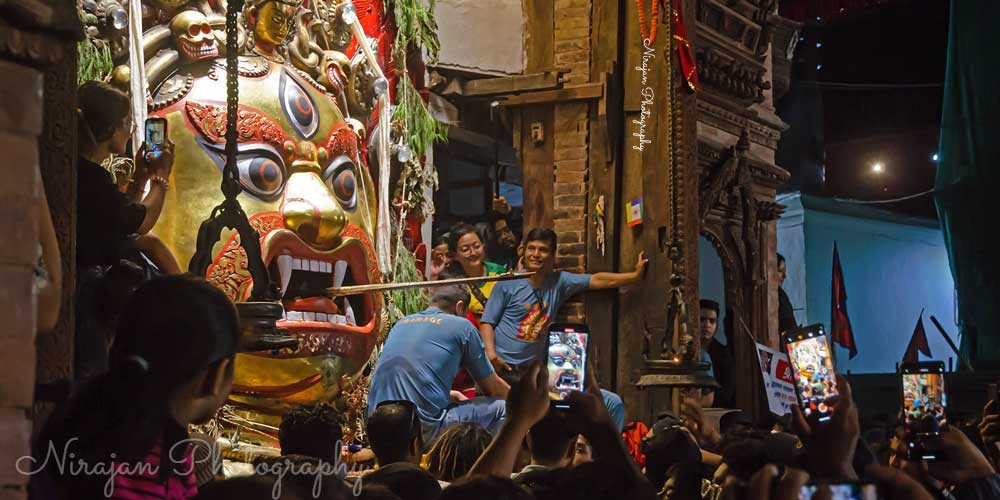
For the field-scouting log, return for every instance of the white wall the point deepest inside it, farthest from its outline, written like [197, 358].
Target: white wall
[481, 35]
[891, 271]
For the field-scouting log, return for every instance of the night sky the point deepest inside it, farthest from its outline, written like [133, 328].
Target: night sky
[895, 44]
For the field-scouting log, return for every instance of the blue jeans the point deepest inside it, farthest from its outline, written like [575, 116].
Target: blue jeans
[485, 411]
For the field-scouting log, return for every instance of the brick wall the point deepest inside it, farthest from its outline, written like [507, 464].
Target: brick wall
[21, 108]
[569, 215]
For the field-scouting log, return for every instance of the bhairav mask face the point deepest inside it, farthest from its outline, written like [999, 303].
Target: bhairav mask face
[308, 193]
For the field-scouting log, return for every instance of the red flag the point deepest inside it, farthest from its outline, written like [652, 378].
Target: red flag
[684, 51]
[840, 324]
[918, 342]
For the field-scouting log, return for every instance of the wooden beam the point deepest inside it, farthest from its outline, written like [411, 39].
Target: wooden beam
[511, 84]
[538, 166]
[565, 94]
[539, 29]
[604, 180]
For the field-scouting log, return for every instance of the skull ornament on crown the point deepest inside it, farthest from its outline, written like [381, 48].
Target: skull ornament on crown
[194, 36]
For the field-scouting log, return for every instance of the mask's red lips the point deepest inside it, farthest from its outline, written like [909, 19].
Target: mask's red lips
[303, 274]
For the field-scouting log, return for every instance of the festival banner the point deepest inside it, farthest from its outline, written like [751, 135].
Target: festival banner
[778, 381]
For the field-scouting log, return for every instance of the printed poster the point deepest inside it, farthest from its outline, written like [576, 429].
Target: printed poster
[778, 380]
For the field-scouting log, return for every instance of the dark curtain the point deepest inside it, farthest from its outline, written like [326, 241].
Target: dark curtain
[968, 177]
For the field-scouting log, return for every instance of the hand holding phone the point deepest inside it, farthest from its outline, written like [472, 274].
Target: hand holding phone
[566, 356]
[831, 446]
[812, 368]
[156, 135]
[960, 460]
[924, 403]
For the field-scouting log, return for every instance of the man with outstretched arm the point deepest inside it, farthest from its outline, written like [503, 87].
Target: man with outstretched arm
[518, 311]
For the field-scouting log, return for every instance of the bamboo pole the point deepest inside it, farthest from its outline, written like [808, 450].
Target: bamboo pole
[384, 287]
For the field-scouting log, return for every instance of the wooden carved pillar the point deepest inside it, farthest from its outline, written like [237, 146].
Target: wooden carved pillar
[57, 154]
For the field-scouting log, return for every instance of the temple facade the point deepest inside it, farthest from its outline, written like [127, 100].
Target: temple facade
[623, 149]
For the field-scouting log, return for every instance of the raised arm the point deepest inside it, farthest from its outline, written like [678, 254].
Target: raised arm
[601, 281]
[527, 404]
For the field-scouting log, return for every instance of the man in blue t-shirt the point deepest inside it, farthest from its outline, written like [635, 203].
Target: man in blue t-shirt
[518, 311]
[421, 357]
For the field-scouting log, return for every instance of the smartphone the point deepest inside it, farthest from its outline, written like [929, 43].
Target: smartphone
[841, 491]
[156, 134]
[567, 361]
[924, 405]
[812, 368]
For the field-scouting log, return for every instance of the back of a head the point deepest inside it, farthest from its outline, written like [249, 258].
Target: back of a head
[170, 331]
[446, 298]
[376, 492]
[407, 480]
[456, 450]
[550, 439]
[102, 108]
[390, 432]
[266, 487]
[543, 234]
[483, 487]
[312, 430]
[745, 457]
[669, 446]
[596, 480]
[178, 325]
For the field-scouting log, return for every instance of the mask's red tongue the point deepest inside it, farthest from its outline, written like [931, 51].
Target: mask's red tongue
[312, 304]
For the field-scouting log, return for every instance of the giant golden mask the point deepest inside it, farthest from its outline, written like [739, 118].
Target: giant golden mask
[310, 197]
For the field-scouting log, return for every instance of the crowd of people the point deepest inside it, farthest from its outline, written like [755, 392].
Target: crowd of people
[169, 368]
[459, 405]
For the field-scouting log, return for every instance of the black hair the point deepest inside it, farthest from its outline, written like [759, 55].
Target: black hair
[781, 258]
[441, 239]
[456, 450]
[390, 433]
[456, 233]
[709, 304]
[172, 329]
[542, 234]
[261, 487]
[313, 430]
[101, 109]
[745, 457]
[550, 439]
[668, 447]
[482, 487]
[687, 480]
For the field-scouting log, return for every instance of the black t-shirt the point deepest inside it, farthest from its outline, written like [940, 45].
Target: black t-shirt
[105, 217]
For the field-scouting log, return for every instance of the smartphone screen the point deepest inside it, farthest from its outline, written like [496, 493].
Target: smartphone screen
[567, 360]
[812, 367]
[924, 404]
[156, 133]
[843, 491]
